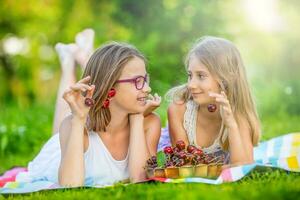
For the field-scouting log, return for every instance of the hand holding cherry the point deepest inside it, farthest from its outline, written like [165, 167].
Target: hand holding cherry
[79, 103]
[225, 108]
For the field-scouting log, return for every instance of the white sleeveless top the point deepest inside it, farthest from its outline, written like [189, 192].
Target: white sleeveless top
[100, 167]
[190, 126]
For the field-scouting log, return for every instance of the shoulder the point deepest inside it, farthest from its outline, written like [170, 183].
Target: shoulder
[177, 108]
[152, 119]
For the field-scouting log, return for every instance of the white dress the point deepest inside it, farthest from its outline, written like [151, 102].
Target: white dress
[100, 167]
[190, 126]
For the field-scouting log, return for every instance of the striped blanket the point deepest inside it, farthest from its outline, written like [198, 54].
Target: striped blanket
[281, 153]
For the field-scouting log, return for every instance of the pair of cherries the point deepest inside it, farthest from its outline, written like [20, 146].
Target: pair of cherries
[90, 102]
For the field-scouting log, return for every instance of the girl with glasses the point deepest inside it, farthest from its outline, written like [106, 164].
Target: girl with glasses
[111, 130]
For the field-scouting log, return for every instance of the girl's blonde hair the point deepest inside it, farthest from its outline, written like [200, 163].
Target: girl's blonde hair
[105, 67]
[224, 62]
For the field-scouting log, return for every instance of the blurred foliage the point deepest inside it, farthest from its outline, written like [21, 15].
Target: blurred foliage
[163, 30]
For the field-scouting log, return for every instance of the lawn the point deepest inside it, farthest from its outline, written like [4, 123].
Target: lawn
[23, 131]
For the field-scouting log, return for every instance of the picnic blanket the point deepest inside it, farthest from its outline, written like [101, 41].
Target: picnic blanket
[282, 152]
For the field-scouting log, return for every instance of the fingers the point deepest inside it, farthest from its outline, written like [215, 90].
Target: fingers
[90, 92]
[154, 100]
[220, 98]
[157, 98]
[213, 94]
[85, 80]
[80, 87]
[150, 97]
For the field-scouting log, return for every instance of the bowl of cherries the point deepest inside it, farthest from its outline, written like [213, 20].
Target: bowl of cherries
[183, 161]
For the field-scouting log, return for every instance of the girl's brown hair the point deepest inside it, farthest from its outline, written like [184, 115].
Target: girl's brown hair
[105, 67]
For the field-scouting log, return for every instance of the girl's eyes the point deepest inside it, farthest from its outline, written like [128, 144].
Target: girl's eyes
[199, 76]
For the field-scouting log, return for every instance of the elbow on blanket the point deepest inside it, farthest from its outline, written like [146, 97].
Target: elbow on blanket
[138, 178]
[71, 183]
[243, 161]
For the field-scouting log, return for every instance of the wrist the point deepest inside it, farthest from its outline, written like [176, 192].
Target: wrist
[78, 120]
[136, 120]
[232, 126]
[138, 116]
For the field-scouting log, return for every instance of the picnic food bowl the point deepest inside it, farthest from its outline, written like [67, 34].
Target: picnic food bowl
[201, 170]
[150, 173]
[172, 172]
[214, 170]
[186, 171]
[159, 173]
[184, 162]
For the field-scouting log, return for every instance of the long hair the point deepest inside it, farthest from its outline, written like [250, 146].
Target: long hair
[105, 67]
[224, 62]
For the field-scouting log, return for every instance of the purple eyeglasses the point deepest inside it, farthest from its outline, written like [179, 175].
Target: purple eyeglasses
[139, 81]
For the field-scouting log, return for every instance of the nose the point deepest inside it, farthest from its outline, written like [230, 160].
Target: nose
[146, 88]
[191, 84]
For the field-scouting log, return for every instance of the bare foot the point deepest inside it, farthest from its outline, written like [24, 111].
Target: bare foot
[66, 56]
[85, 42]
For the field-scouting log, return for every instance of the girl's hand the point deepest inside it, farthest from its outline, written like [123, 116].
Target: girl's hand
[152, 103]
[225, 109]
[75, 98]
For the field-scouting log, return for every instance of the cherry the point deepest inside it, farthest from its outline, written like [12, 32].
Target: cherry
[169, 164]
[175, 149]
[111, 93]
[198, 152]
[180, 145]
[149, 162]
[181, 155]
[153, 158]
[168, 150]
[105, 103]
[212, 107]
[190, 148]
[89, 102]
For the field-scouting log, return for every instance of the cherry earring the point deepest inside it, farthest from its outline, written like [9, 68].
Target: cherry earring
[110, 95]
[212, 107]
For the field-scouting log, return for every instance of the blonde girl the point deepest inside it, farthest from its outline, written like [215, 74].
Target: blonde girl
[214, 110]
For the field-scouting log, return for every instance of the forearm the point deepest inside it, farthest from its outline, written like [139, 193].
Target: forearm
[138, 150]
[71, 171]
[238, 152]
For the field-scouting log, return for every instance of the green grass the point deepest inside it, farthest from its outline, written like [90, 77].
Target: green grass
[25, 130]
[270, 185]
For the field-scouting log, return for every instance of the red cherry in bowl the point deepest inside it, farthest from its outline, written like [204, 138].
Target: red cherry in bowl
[190, 148]
[180, 145]
[168, 150]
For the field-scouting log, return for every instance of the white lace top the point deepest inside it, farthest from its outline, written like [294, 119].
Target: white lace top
[190, 125]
